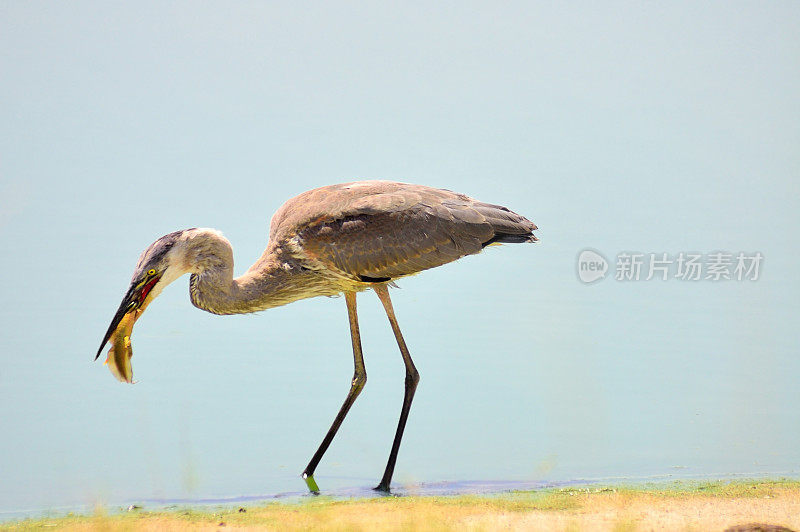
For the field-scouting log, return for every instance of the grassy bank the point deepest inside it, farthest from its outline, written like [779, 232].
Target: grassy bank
[675, 506]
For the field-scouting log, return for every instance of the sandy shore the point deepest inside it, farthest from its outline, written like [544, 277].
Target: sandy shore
[695, 507]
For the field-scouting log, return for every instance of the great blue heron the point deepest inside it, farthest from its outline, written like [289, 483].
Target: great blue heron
[337, 239]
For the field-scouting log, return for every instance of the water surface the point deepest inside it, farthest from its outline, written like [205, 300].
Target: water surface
[623, 130]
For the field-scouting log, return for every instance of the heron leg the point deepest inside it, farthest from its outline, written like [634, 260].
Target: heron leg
[359, 380]
[412, 379]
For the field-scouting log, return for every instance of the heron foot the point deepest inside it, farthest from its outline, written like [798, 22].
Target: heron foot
[311, 483]
[384, 489]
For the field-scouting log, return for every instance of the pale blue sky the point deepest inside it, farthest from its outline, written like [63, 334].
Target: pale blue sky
[622, 127]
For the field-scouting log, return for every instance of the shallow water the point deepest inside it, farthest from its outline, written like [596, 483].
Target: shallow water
[423, 489]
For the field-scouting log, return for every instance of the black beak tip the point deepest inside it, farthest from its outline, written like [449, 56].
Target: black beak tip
[107, 336]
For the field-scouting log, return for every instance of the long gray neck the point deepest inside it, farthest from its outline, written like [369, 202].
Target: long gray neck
[272, 281]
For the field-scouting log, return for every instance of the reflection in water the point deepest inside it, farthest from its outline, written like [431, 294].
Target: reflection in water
[477, 487]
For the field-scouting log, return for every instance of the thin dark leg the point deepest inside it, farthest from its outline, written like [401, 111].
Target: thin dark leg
[359, 380]
[412, 378]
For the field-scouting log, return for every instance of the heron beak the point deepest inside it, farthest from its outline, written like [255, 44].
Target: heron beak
[119, 332]
[128, 305]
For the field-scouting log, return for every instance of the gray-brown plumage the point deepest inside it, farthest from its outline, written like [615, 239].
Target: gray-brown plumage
[331, 240]
[385, 230]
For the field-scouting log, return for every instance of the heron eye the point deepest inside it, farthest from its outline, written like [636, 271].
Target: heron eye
[151, 272]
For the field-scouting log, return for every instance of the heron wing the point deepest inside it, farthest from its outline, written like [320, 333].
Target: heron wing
[334, 202]
[386, 230]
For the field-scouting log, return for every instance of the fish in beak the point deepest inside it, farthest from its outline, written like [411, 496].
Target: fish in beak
[119, 332]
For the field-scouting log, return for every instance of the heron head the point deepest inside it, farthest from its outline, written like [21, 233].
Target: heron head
[160, 264]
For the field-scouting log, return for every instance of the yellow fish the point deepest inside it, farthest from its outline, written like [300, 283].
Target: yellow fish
[119, 332]
[120, 354]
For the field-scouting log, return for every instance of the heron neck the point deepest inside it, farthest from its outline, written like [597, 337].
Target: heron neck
[270, 282]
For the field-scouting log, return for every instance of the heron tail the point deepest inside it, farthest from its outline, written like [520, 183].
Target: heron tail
[510, 239]
[509, 227]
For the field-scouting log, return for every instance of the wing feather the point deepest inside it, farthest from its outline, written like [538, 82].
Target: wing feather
[381, 229]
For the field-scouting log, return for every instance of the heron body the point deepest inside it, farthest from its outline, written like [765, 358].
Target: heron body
[338, 239]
